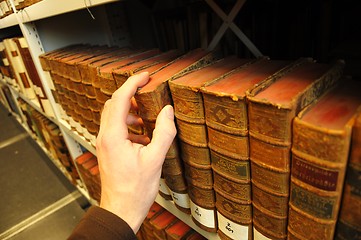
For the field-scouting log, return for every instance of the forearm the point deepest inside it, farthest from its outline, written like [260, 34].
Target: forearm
[99, 223]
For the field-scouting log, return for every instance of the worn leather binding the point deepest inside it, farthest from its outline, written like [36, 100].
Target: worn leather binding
[227, 126]
[155, 95]
[178, 231]
[161, 222]
[349, 220]
[189, 112]
[105, 79]
[271, 109]
[32, 72]
[321, 143]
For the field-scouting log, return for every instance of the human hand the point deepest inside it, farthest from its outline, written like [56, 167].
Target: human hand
[130, 168]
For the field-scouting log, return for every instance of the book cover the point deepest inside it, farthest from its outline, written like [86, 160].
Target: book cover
[271, 109]
[227, 125]
[192, 131]
[153, 97]
[321, 143]
[349, 220]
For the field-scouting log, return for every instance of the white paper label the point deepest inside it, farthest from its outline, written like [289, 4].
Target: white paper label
[202, 215]
[181, 199]
[6, 62]
[232, 229]
[163, 187]
[258, 236]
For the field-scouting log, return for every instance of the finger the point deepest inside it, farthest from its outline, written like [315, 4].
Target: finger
[104, 117]
[134, 105]
[164, 132]
[135, 120]
[141, 139]
[121, 102]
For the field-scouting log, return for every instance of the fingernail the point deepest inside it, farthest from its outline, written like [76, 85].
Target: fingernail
[170, 112]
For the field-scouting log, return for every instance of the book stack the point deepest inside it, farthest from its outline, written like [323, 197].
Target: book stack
[271, 109]
[49, 135]
[88, 168]
[226, 114]
[84, 80]
[19, 70]
[321, 145]
[21, 4]
[5, 8]
[192, 133]
[161, 224]
[151, 99]
[349, 220]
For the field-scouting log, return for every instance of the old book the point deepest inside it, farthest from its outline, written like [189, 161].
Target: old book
[105, 80]
[321, 139]
[178, 231]
[33, 75]
[152, 98]
[227, 126]
[192, 132]
[122, 74]
[349, 220]
[22, 78]
[147, 228]
[271, 109]
[161, 222]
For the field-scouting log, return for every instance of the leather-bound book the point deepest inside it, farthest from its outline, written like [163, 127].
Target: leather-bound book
[147, 228]
[271, 108]
[122, 74]
[192, 133]
[22, 78]
[152, 98]
[349, 220]
[105, 80]
[227, 125]
[321, 140]
[45, 57]
[33, 73]
[161, 222]
[178, 231]
[148, 65]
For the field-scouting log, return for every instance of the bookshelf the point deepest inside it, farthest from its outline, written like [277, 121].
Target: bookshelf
[46, 26]
[51, 24]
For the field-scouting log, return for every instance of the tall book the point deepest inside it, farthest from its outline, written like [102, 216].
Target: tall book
[349, 220]
[193, 140]
[151, 98]
[22, 78]
[321, 143]
[33, 75]
[227, 126]
[271, 109]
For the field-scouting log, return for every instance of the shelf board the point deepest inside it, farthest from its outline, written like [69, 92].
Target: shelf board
[8, 21]
[186, 218]
[80, 139]
[49, 8]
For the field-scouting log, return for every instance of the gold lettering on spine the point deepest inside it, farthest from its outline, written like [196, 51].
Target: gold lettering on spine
[318, 206]
[232, 167]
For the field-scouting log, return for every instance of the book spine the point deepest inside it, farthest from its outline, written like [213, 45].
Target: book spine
[317, 175]
[150, 104]
[192, 132]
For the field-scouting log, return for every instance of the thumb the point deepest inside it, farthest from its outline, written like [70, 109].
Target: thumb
[164, 132]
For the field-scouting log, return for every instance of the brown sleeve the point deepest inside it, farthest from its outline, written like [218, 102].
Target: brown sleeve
[98, 223]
